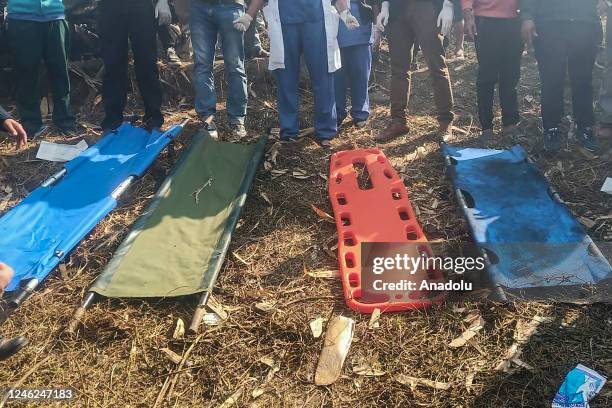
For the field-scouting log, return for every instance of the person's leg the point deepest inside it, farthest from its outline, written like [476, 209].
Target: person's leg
[511, 52]
[423, 20]
[142, 31]
[314, 44]
[57, 45]
[165, 37]
[252, 42]
[583, 47]
[487, 53]
[233, 56]
[26, 40]
[113, 31]
[551, 53]
[458, 30]
[203, 41]
[287, 82]
[360, 65]
[584, 42]
[401, 42]
[605, 94]
[401, 50]
[341, 84]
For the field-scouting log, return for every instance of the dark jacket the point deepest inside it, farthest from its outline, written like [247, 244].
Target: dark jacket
[559, 10]
[4, 115]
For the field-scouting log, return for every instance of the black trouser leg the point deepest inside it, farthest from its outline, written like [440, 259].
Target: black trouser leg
[583, 45]
[510, 69]
[499, 48]
[552, 54]
[487, 53]
[113, 30]
[163, 32]
[142, 32]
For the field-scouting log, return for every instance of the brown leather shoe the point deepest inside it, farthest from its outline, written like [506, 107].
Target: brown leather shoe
[393, 130]
[445, 132]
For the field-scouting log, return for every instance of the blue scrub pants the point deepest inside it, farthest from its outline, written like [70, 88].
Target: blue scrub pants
[354, 74]
[308, 39]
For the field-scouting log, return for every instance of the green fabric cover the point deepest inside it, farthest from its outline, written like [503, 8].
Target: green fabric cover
[171, 246]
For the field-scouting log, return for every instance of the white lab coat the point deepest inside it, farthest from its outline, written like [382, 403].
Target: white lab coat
[277, 45]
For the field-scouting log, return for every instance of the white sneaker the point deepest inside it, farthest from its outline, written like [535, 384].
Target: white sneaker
[172, 58]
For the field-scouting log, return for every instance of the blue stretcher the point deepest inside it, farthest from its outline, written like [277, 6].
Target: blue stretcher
[38, 233]
[534, 245]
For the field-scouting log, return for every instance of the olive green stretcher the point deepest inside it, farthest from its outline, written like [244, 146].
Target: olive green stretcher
[178, 245]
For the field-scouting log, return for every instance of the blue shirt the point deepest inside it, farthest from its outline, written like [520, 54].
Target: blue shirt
[300, 11]
[359, 36]
[36, 10]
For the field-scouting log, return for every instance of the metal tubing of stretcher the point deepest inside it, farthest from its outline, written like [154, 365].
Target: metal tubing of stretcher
[24, 292]
[90, 297]
[219, 256]
[54, 178]
[80, 312]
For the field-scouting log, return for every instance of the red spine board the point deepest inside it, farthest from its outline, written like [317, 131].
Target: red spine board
[381, 213]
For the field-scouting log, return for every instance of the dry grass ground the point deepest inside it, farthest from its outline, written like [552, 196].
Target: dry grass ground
[115, 361]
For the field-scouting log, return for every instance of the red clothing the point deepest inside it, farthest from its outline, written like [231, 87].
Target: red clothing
[492, 8]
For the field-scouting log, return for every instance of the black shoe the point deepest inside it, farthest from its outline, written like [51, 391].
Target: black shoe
[33, 131]
[10, 347]
[360, 124]
[486, 136]
[552, 140]
[587, 138]
[110, 125]
[152, 123]
[209, 126]
[325, 143]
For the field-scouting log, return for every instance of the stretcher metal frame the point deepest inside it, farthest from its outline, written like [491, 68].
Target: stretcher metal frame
[212, 272]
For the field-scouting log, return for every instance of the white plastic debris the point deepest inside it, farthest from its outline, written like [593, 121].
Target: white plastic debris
[56, 152]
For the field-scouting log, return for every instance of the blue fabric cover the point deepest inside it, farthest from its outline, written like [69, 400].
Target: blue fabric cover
[537, 240]
[40, 232]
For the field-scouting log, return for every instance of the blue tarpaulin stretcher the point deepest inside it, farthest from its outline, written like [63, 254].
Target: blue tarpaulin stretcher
[534, 245]
[37, 234]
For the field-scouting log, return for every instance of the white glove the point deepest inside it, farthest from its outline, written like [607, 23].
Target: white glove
[445, 18]
[350, 21]
[383, 16]
[243, 22]
[162, 13]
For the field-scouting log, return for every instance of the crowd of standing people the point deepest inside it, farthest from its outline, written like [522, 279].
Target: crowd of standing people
[335, 38]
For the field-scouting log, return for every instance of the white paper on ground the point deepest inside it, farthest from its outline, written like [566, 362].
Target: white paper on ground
[607, 187]
[60, 152]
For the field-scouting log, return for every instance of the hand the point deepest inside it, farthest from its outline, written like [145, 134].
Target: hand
[162, 13]
[528, 31]
[470, 24]
[383, 17]
[243, 22]
[349, 20]
[6, 274]
[445, 18]
[15, 129]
